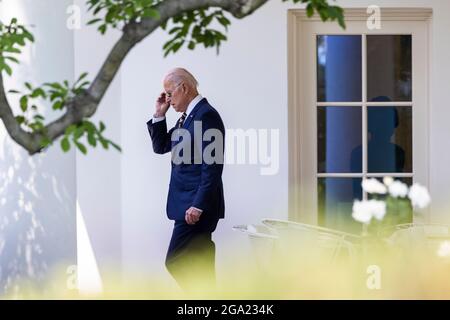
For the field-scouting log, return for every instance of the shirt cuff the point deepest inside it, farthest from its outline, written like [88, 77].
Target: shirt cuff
[198, 209]
[155, 120]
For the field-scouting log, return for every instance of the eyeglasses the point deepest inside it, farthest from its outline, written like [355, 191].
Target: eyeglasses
[169, 94]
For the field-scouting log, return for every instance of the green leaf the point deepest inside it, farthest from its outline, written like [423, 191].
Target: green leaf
[173, 30]
[151, 13]
[20, 119]
[12, 50]
[54, 85]
[89, 126]
[224, 21]
[12, 59]
[45, 141]
[54, 95]
[24, 103]
[111, 15]
[117, 147]
[58, 105]
[38, 92]
[104, 142]
[81, 147]
[91, 139]
[102, 126]
[207, 21]
[37, 126]
[70, 129]
[309, 10]
[79, 132]
[82, 85]
[28, 35]
[81, 77]
[65, 144]
[93, 21]
[102, 28]
[7, 68]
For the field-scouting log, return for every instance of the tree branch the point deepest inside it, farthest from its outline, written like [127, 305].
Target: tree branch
[135, 32]
[85, 105]
[25, 139]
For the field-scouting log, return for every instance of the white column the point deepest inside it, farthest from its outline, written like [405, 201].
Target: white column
[98, 173]
[38, 193]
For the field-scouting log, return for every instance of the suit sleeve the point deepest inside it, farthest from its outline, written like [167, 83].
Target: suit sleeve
[161, 139]
[211, 174]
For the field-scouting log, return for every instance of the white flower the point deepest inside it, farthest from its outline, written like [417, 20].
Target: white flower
[378, 209]
[419, 196]
[398, 189]
[364, 211]
[361, 212]
[444, 249]
[388, 181]
[373, 186]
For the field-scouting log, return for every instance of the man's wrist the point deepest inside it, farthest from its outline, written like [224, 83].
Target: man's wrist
[159, 115]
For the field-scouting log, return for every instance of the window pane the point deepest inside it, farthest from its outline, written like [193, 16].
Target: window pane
[390, 139]
[339, 136]
[389, 67]
[339, 74]
[336, 197]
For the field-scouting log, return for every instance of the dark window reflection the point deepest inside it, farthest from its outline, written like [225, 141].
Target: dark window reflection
[389, 147]
[336, 196]
[389, 67]
[339, 74]
[339, 131]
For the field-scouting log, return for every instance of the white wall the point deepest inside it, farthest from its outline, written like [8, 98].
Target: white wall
[247, 83]
[37, 194]
[98, 172]
[123, 198]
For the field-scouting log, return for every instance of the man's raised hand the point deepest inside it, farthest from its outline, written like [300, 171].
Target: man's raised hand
[161, 106]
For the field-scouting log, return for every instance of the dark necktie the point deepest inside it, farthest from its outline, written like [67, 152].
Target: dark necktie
[181, 121]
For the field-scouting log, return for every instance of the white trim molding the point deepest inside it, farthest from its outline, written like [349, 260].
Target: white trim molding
[302, 149]
[360, 14]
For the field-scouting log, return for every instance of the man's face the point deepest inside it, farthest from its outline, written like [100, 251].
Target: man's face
[176, 95]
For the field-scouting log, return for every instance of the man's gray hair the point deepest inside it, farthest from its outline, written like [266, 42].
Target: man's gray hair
[179, 75]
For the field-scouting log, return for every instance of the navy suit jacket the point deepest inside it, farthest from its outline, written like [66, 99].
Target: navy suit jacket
[193, 184]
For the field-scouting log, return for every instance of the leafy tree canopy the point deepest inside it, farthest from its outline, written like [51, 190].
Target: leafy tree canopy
[188, 23]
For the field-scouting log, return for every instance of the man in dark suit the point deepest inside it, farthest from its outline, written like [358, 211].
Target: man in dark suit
[195, 201]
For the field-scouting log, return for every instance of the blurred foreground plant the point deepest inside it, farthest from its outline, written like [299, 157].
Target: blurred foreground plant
[390, 203]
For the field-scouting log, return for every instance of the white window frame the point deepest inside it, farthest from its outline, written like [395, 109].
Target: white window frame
[302, 103]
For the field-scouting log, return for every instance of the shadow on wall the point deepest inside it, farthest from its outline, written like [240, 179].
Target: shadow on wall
[37, 216]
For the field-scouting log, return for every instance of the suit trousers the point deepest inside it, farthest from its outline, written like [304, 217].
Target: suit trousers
[191, 255]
